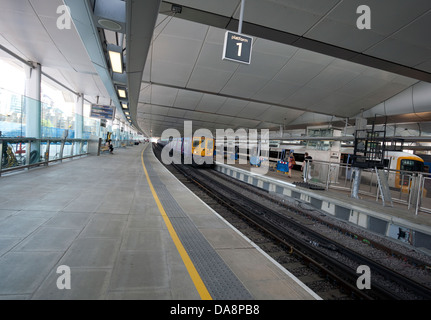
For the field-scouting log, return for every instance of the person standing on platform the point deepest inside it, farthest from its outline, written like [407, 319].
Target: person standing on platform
[291, 164]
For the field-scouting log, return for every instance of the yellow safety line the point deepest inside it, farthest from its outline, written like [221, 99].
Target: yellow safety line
[199, 284]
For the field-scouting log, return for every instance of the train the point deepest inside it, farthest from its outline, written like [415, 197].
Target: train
[197, 150]
[202, 150]
[399, 162]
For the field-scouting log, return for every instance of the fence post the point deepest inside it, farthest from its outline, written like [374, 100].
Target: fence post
[327, 176]
[48, 145]
[356, 182]
[419, 197]
[1, 156]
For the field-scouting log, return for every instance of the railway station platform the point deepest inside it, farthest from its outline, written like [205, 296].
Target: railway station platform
[119, 227]
[365, 212]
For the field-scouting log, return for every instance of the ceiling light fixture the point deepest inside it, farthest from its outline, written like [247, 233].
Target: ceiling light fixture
[109, 24]
[122, 92]
[116, 58]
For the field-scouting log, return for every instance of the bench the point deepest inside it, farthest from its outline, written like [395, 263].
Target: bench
[104, 149]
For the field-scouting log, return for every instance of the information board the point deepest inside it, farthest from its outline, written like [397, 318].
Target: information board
[102, 112]
[237, 47]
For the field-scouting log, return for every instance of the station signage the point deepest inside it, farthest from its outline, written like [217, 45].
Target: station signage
[102, 112]
[237, 47]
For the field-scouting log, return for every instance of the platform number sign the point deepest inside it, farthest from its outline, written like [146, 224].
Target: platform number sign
[237, 47]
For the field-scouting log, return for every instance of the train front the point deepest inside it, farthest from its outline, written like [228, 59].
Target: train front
[203, 151]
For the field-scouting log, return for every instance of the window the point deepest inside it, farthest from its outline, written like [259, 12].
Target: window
[196, 143]
[411, 165]
[209, 144]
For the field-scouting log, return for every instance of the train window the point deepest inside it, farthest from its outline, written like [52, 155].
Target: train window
[411, 165]
[209, 144]
[299, 157]
[196, 143]
[274, 154]
[386, 163]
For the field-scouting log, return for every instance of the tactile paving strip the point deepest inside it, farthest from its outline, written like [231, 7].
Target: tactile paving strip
[220, 281]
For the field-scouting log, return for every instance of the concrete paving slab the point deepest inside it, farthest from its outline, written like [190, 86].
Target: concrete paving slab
[23, 272]
[103, 227]
[143, 239]
[92, 252]
[148, 294]
[7, 243]
[225, 239]
[15, 297]
[139, 270]
[36, 214]
[145, 222]
[16, 226]
[86, 284]
[84, 203]
[4, 213]
[74, 220]
[48, 239]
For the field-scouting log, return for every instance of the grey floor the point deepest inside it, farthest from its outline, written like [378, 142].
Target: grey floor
[97, 216]
[92, 215]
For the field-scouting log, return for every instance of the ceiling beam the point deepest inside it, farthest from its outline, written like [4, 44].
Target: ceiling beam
[235, 97]
[141, 20]
[231, 24]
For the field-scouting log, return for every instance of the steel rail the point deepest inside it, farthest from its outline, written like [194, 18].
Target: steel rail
[273, 228]
[295, 246]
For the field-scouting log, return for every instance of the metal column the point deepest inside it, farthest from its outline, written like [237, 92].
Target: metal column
[33, 107]
[356, 182]
[79, 122]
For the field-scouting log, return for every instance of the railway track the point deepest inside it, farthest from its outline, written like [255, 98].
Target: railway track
[288, 235]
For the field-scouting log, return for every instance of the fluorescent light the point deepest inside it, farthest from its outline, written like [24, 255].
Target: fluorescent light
[116, 58]
[124, 105]
[126, 113]
[122, 93]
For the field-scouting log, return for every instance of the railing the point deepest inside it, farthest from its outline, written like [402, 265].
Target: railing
[412, 189]
[20, 153]
[122, 143]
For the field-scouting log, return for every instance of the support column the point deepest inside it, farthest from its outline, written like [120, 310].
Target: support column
[79, 122]
[33, 108]
[360, 125]
[356, 182]
[117, 135]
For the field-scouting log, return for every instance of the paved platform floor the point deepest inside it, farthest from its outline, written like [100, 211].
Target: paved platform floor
[98, 217]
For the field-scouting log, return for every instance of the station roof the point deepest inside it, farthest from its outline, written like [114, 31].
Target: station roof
[310, 63]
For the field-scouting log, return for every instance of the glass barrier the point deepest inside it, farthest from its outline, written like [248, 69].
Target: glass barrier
[409, 188]
[14, 152]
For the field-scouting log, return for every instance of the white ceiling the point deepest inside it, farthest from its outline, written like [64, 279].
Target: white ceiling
[289, 81]
[28, 28]
[185, 78]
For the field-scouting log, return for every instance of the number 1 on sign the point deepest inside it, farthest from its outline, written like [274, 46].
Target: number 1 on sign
[239, 44]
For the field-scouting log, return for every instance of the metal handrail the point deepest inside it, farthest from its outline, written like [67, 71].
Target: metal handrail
[28, 141]
[414, 188]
